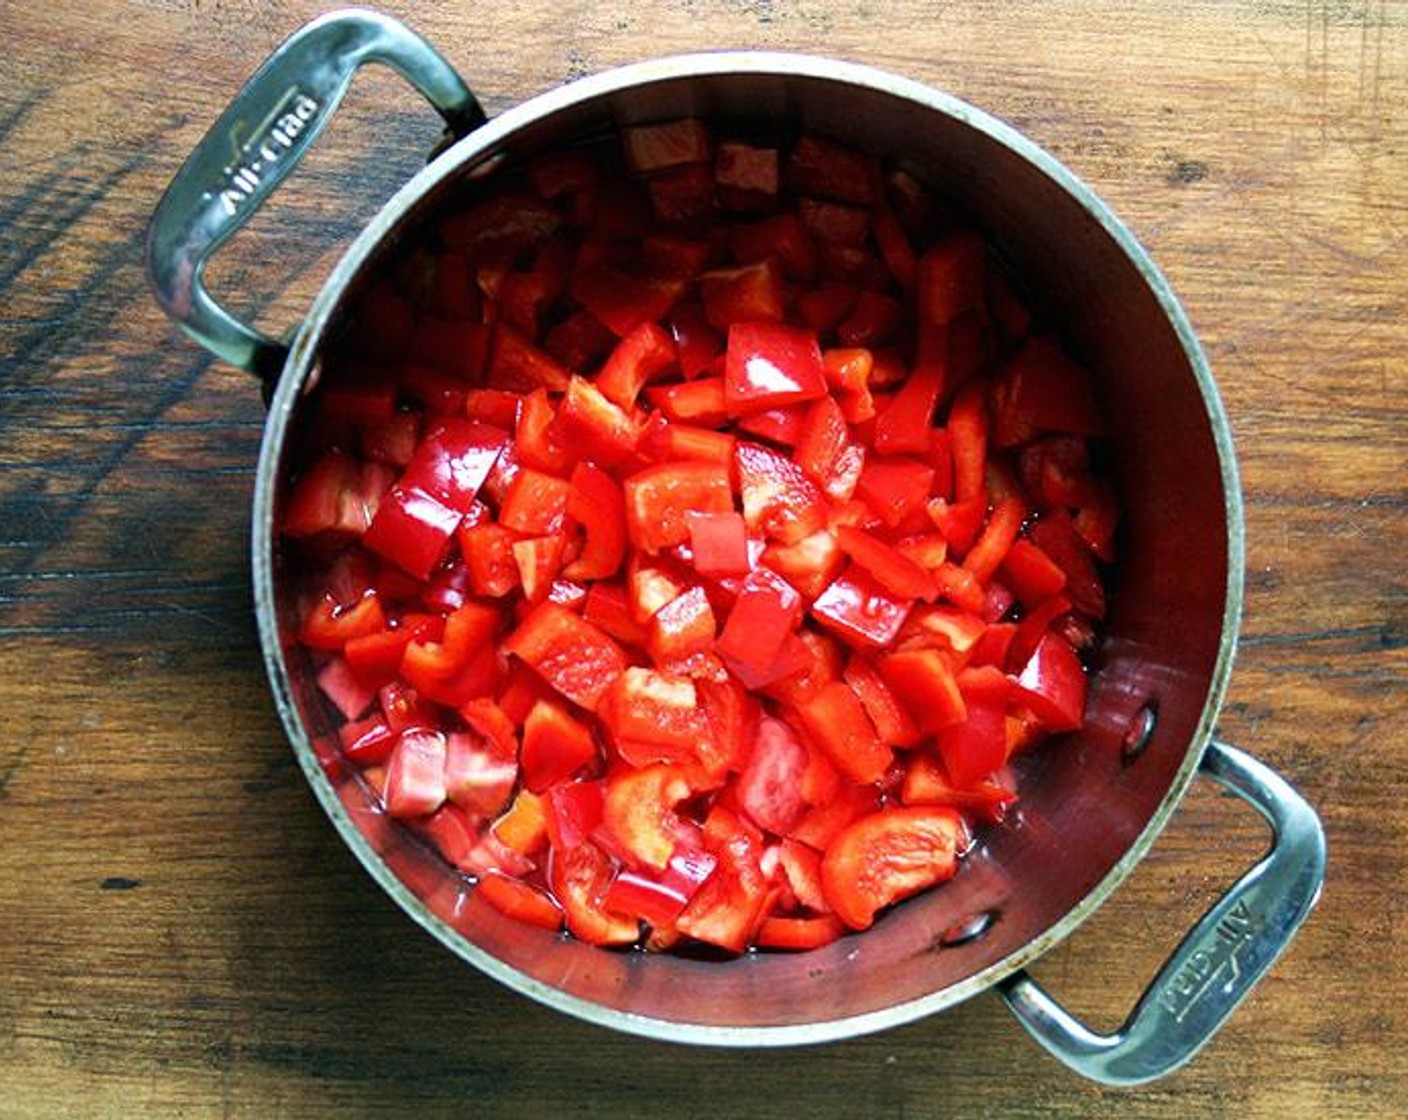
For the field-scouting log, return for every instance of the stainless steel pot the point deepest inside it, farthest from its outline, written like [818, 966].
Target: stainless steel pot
[1090, 810]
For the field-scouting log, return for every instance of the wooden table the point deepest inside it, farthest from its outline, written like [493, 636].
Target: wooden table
[182, 933]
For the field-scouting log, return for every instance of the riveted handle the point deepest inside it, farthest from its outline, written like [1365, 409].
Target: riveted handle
[255, 145]
[1217, 964]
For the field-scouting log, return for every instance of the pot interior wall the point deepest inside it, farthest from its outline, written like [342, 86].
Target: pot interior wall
[1084, 805]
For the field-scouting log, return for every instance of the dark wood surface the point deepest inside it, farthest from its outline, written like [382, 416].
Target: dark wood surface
[181, 932]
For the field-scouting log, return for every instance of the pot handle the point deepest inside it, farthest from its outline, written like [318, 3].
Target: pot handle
[1221, 959]
[257, 142]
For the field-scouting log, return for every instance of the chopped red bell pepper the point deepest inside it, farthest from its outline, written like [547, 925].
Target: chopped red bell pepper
[692, 402]
[924, 682]
[535, 503]
[639, 356]
[770, 365]
[718, 543]
[591, 426]
[895, 487]
[977, 745]
[659, 500]
[751, 293]
[781, 237]
[555, 746]
[1042, 390]
[836, 722]
[890, 568]
[655, 147]
[859, 611]
[766, 611]
[888, 856]
[411, 529]
[568, 652]
[779, 501]
[1052, 684]
[595, 501]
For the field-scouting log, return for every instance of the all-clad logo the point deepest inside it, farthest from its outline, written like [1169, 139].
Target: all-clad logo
[272, 139]
[1214, 959]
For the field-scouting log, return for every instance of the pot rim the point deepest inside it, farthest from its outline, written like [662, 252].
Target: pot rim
[480, 145]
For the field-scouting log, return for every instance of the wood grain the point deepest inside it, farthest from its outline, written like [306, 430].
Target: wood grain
[181, 932]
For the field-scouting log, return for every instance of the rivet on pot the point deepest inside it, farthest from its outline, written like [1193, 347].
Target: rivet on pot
[1140, 730]
[968, 929]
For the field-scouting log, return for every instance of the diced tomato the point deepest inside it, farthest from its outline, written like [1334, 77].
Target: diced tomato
[415, 774]
[342, 686]
[889, 856]
[769, 788]
[478, 777]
